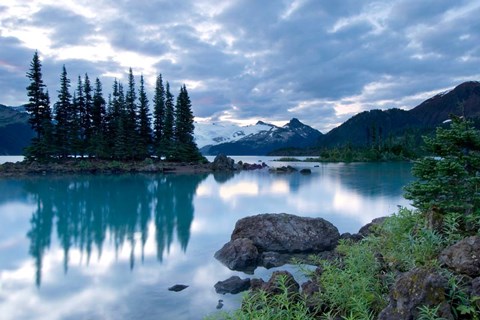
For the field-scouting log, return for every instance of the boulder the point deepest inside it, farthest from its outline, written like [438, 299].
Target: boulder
[232, 285]
[413, 289]
[239, 254]
[283, 169]
[280, 280]
[178, 287]
[223, 163]
[306, 171]
[286, 233]
[463, 257]
[369, 228]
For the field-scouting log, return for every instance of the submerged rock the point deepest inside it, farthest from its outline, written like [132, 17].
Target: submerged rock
[232, 285]
[178, 287]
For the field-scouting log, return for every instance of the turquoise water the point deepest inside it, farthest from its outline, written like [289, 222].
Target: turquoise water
[108, 247]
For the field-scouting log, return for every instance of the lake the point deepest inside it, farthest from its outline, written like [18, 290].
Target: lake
[108, 247]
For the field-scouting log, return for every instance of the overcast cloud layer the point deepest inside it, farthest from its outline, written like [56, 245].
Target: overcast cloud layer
[243, 61]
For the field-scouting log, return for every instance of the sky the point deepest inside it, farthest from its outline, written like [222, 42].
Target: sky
[248, 60]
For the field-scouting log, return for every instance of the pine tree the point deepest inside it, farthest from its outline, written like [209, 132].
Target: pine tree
[145, 130]
[131, 123]
[185, 147]
[74, 123]
[38, 107]
[448, 182]
[98, 144]
[168, 131]
[80, 145]
[120, 114]
[62, 109]
[158, 115]
[87, 121]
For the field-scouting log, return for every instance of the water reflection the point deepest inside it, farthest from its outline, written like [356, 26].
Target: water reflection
[122, 240]
[87, 211]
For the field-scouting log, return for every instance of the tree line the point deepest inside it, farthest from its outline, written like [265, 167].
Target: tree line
[85, 124]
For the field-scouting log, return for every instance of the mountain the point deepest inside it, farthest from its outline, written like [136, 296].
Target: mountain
[263, 138]
[15, 132]
[210, 134]
[363, 128]
[463, 100]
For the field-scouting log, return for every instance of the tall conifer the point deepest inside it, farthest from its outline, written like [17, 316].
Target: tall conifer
[40, 115]
[158, 114]
[63, 108]
[145, 130]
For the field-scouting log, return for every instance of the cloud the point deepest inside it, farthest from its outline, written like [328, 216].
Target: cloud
[249, 60]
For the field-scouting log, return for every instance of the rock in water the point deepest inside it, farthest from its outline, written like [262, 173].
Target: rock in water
[232, 285]
[178, 287]
[238, 254]
[286, 233]
[223, 163]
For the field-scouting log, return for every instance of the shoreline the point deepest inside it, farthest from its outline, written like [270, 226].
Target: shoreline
[95, 166]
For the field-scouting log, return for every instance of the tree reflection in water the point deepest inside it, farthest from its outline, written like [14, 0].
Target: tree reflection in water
[86, 211]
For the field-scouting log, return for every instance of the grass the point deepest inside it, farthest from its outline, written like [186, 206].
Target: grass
[356, 285]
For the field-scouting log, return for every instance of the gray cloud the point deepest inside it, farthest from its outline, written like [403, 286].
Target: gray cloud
[68, 28]
[273, 59]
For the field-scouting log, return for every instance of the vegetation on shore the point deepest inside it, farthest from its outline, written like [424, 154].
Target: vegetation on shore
[357, 284]
[86, 125]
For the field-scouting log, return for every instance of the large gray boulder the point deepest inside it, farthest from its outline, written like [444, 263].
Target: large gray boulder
[463, 257]
[413, 289]
[239, 254]
[286, 233]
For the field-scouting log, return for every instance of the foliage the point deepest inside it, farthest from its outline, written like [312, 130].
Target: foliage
[350, 286]
[265, 306]
[40, 115]
[85, 127]
[449, 181]
[405, 241]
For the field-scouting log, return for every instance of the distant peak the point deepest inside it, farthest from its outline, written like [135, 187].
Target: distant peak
[294, 123]
[260, 122]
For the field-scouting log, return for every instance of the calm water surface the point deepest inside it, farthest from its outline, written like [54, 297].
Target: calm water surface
[108, 247]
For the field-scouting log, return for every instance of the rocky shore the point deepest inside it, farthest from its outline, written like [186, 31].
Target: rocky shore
[260, 240]
[221, 163]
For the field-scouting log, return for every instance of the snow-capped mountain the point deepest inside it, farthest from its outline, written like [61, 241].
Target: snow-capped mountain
[211, 134]
[258, 139]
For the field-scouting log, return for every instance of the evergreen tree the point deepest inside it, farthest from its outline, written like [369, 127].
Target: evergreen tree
[168, 130]
[40, 115]
[158, 114]
[145, 130]
[119, 119]
[62, 114]
[75, 127]
[87, 121]
[185, 146]
[80, 142]
[98, 144]
[131, 123]
[448, 182]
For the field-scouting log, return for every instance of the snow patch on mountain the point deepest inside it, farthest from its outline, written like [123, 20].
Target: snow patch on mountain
[213, 133]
